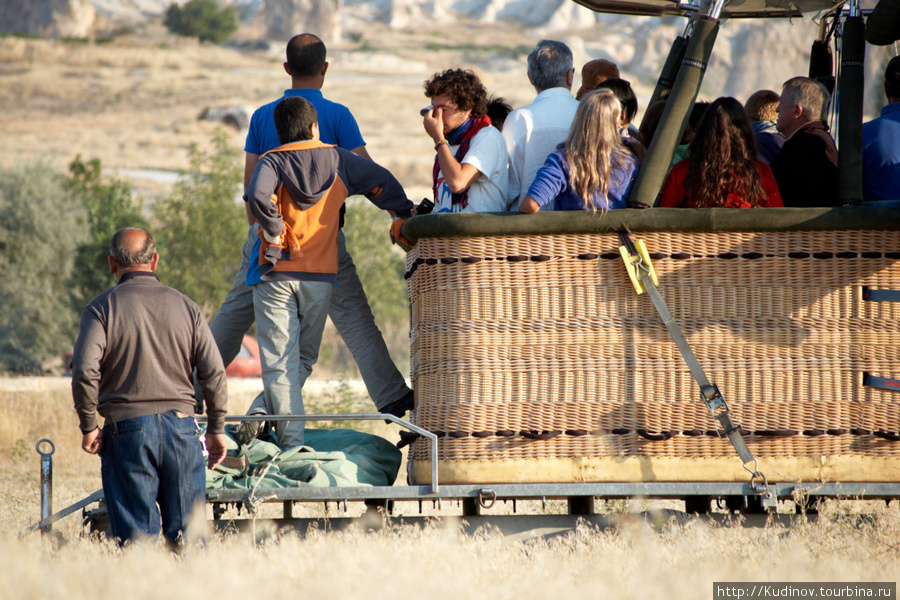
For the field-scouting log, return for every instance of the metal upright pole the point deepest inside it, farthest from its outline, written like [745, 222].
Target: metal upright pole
[850, 113]
[670, 68]
[46, 483]
[678, 107]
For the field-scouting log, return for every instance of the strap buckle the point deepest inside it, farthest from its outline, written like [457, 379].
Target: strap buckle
[638, 264]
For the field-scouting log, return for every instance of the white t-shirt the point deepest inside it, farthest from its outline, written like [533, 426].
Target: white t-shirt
[487, 153]
[531, 134]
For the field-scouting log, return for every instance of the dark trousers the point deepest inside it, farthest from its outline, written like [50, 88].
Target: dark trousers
[153, 475]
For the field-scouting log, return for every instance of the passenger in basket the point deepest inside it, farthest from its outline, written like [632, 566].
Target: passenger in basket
[470, 169]
[593, 168]
[628, 99]
[533, 131]
[498, 109]
[721, 169]
[762, 108]
[806, 166]
[296, 194]
[881, 143]
[593, 74]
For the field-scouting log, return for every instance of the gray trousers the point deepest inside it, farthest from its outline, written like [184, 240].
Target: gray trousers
[349, 311]
[290, 317]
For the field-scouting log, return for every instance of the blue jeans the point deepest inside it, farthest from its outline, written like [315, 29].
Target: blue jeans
[153, 474]
[349, 311]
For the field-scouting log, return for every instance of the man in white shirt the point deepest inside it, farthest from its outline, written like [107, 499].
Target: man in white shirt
[533, 132]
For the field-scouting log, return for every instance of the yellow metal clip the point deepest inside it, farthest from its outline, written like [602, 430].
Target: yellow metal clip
[640, 261]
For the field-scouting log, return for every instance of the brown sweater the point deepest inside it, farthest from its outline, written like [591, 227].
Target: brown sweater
[138, 345]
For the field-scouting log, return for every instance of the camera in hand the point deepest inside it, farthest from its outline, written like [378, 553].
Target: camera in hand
[425, 207]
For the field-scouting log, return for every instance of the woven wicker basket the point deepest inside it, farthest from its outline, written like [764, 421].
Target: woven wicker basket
[535, 360]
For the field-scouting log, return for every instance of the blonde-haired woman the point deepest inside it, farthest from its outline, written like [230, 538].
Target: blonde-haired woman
[593, 168]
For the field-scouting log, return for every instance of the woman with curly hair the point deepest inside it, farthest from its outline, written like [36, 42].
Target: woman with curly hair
[721, 169]
[470, 169]
[593, 168]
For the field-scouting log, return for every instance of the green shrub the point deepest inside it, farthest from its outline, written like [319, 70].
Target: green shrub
[380, 267]
[110, 206]
[41, 228]
[202, 19]
[379, 264]
[202, 226]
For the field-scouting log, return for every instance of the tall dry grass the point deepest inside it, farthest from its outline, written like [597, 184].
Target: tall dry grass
[635, 560]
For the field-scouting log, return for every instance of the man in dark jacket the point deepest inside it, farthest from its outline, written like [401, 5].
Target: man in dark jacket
[299, 229]
[138, 344]
[806, 167]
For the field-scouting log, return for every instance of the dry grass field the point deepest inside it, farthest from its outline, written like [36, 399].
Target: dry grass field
[634, 560]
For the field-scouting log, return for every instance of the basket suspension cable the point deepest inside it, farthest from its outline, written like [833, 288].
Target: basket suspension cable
[643, 277]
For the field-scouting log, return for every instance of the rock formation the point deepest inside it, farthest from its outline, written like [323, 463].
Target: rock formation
[48, 18]
[285, 18]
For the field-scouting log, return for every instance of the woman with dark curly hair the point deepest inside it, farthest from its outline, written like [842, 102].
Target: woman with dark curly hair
[470, 170]
[721, 169]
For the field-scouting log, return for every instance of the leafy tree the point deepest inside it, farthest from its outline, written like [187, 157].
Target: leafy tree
[202, 226]
[202, 19]
[379, 264]
[40, 231]
[110, 206]
[380, 267]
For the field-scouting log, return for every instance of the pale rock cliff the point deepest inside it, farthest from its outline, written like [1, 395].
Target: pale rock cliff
[284, 18]
[48, 18]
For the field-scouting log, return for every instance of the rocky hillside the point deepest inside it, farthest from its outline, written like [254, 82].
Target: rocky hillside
[749, 55]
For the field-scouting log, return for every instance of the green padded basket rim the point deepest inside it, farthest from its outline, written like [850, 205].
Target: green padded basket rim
[702, 220]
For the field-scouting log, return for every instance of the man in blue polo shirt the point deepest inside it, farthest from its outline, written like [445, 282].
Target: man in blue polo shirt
[349, 310]
[881, 143]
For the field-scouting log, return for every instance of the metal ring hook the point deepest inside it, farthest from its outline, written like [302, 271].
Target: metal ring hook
[755, 484]
[491, 497]
[41, 452]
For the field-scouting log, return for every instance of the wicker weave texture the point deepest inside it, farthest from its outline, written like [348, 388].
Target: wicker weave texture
[539, 347]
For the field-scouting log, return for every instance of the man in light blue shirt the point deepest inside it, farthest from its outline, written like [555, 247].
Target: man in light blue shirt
[881, 143]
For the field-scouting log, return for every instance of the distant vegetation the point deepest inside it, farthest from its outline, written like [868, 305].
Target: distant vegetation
[110, 206]
[41, 230]
[54, 242]
[202, 19]
[201, 226]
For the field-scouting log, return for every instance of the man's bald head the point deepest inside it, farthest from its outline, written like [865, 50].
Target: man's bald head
[132, 247]
[305, 56]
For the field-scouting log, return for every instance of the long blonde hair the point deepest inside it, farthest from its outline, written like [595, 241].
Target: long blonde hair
[594, 148]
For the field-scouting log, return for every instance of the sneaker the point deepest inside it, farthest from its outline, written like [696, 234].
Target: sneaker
[247, 432]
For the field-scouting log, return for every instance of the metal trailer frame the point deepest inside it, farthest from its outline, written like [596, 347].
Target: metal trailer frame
[748, 506]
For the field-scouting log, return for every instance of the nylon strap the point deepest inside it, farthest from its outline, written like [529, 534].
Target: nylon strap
[882, 383]
[709, 393]
[881, 295]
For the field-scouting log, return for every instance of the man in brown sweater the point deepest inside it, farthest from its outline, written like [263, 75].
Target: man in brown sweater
[138, 344]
